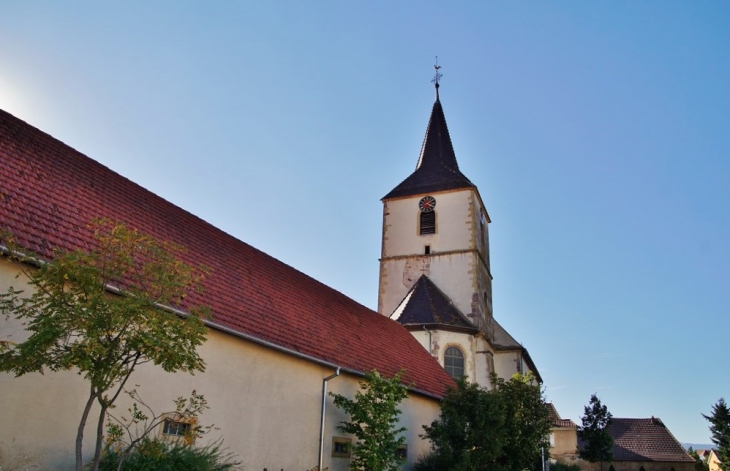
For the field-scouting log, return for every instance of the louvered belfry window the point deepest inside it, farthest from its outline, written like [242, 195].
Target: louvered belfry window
[428, 223]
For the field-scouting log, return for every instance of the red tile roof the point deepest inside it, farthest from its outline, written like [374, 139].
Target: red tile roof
[645, 440]
[555, 419]
[49, 193]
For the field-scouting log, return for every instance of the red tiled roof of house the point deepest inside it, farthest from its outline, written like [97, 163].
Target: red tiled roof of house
[49, 194]
[645, 440]
[555, 419]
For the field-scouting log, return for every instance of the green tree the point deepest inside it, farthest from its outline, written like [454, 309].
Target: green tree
[500, 430]
[373, 419]
[700, 464]
[467, 435]
[597, 442]
[527, 425]
[720, 428]
[104, 312]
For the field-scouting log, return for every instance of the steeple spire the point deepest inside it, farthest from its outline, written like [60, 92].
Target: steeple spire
[437, 77]
[436, 169]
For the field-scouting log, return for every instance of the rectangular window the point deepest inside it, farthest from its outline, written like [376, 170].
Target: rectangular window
[402, 452]
[427, 250]
[341, 447]
[178, 428]
[428, 223]
[175, 428]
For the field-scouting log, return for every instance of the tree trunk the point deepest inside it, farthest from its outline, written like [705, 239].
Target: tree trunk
[80, 431]
[99, 437]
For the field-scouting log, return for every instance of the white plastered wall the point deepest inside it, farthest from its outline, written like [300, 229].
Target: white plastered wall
[453, 263]
[478, 362]
[265, 403]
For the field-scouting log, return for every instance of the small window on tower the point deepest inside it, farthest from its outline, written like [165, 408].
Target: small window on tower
[428, 223]
[427, 250]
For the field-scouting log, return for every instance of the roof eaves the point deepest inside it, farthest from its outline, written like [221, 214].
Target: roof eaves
[436, 326]
[36, 262]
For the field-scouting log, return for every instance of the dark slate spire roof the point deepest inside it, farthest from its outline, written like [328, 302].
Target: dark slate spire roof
[437, 169]
[426, 304]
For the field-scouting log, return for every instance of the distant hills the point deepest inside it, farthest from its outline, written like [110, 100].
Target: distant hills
[698, 446]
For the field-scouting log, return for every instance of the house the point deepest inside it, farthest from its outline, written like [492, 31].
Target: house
[435, 275]
[646, 443]
[710, 458]
[563, 436]
[276, 337]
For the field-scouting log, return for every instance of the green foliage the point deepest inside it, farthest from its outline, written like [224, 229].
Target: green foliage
[598, 444]
[527, 425]
[465, 435]
[565, 467]
[161, 455]
[100, 313]
[700, 464]
[373, 419]
[500, 430]
[720, 429]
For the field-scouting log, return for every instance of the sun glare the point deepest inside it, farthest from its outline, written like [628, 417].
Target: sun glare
[15, 100]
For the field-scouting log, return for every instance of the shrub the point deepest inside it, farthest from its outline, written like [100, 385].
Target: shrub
[564, 467]
[161, 455]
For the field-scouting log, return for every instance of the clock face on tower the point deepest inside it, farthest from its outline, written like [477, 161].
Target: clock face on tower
[427, 204]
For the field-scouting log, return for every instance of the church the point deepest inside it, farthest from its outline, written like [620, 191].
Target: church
[435, 277]
[277, 340]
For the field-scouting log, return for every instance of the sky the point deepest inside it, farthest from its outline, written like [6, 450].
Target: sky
[598, 134]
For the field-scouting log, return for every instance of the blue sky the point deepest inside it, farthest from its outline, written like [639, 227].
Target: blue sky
[597, 132]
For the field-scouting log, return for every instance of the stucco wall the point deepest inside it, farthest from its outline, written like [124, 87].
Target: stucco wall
[266, 404]
[565, 442]
[506, 363]
[457, 263]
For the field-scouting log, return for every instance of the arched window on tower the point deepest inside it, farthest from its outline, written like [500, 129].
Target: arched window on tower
[428, 223]
[454, 362]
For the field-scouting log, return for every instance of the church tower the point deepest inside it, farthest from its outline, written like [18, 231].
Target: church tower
[435, 277]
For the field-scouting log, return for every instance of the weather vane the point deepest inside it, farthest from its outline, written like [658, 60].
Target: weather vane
[437, 76]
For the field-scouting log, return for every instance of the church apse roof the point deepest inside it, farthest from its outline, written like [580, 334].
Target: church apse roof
[426, 305]
[50, 193]
[437, 169]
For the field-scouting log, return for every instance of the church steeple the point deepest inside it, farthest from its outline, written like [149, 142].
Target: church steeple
[436, 169]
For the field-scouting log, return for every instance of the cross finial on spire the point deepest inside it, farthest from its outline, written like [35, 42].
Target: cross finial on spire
[437, 76]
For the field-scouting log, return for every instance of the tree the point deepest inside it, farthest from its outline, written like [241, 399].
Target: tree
[373, 418]
[478, 430]
[597, 442]
[527, 425]
[700, 464]
[103, 313]
[466, 436]
[720, 428]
